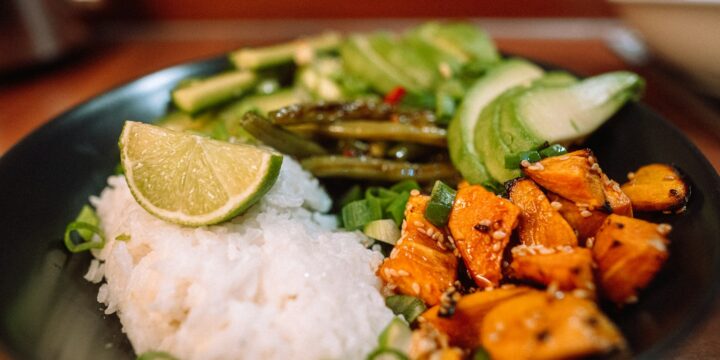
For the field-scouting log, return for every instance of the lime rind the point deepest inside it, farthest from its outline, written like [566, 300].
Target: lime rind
[263, 168]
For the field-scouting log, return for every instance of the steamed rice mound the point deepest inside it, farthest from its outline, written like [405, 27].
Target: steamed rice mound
[277, 282]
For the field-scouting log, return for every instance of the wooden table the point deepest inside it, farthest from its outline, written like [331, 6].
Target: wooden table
[29, 101]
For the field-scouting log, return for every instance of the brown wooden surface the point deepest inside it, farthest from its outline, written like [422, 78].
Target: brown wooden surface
[29, 101]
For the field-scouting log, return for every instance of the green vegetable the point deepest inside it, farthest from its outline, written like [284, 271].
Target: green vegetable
[123, 237]
[386, 354]
[420, 73]
[396, 209]
[85, 227]
[376, 169]
[213, 90]
[353, 194]
[513, 161]
[553, 150]
[405, 185]
[461, 131]
[408, 306]
[396, 336]
[383, 131]
[282, 140]
[155, 355]
[462, 41]
[360, 212]
[361, 59]
[300, 50]
[385, 230]
[480, 354]
[440, 204]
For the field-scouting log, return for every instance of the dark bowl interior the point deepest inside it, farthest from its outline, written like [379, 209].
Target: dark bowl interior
[48, 311]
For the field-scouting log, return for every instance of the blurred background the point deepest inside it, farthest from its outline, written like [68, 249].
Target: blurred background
[56, 53]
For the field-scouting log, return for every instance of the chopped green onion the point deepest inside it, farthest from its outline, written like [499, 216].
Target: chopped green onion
[409, 307]
[397, 336]
[405, 185]
[123, 237]
[440, 204]
[553, 150]
[360, 212]
[396, 209]
[85, 226]
[88, 243]
[444, 108]
[513, 161]
[480, 354]
[353, 194]
[155, 355]
[385, 230]
[386, 354]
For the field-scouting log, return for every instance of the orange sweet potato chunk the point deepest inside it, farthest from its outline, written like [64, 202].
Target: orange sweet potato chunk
[657, 187]
[585, 226]
[481, 224]
[540, 223]
[569, 268]
[464, 326]
[574, 176]
[628, 252]
[538, 326]
[616, 199]
[419, 265]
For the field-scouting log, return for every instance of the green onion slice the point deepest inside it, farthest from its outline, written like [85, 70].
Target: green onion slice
[396, 209]
[513, 161]
[440, 204]
[88, 243]
[553, 150]
[409, 307]
[384, 230]
[360, 212]
[386, 354]
[405, 185]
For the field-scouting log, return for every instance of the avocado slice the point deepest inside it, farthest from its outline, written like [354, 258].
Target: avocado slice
[360, 58]
[461, 131]
[565, 114]
[422, 73]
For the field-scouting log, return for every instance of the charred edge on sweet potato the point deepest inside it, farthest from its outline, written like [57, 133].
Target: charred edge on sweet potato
[540, 223]
[657, 187]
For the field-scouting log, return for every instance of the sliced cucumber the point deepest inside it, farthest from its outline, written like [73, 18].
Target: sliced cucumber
[568, 113]
[263, 57]
[216, 89]
[406, 60]
[385, 230]
[362, 60]
[461, 132]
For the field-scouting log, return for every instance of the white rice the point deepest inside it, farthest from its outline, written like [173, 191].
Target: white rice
[276, 283]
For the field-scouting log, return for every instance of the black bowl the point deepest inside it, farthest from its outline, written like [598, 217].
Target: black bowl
[49, 311]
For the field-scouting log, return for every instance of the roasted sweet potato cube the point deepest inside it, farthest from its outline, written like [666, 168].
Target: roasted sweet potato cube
[628, 252]
[615, 198]
[536, 325]
[571, 269]
[586, 222]
[540, 223]
[656, 187]
[574, 176]
[419, 265]
[464, 326]
[481, 224]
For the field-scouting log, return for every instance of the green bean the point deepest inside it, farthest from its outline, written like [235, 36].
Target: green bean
[328, 112]
[377, 169]
[384, 131]
[408, 151]
[282, 140]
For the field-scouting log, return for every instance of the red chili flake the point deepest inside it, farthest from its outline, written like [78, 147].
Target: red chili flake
[395, 95]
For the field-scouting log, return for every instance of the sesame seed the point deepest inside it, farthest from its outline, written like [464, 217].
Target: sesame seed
[591, 159]
[422, 230]
[485, 222]
[664, 229]
[556, 205]
[418, 223]
[669, 177]
[616, 187]
[563, 158]
[630, 175]
[583, 294]
[484, 280]
[590, 242]
[496, 247]
[525, 163]
[415, 288]
[505, 264]
[658, 244]
[595, 167]
[585, 213]
[536, 166]
[430, 232]
[386, 271]
[589, 285]
[552, 288]
[499, 234]
[631, 299]
[403, 273]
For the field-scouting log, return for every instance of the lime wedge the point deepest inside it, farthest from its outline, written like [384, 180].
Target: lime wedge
[193, 180]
